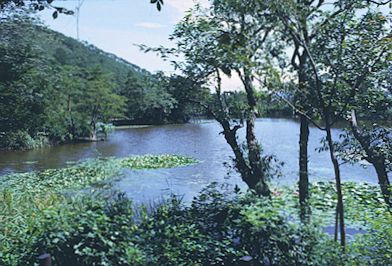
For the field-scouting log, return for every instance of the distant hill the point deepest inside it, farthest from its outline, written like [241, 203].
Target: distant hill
[65, 50]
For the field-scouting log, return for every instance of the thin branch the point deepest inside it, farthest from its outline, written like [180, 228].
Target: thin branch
[292, 106]
[328, 19]
[295, 55]
[379, 3]
[300, 112]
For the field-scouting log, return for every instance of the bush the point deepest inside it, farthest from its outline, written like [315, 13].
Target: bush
[374, 248]
[221, 230]
[94, 231]
[43, 212]
[21, 140]
[214, 230]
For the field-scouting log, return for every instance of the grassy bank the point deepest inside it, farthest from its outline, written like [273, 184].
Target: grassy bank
[44, 212]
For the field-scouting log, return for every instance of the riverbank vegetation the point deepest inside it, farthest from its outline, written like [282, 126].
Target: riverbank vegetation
[327, 65]
[71, 214]
[55, 89]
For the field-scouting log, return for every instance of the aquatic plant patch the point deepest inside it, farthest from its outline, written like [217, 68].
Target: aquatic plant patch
[87, 173]
[155, 162]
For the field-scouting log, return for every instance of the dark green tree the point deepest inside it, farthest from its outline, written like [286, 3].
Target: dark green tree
[231, 38]
[98, 101]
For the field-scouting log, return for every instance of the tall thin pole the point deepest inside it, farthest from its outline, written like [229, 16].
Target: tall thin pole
[80, 3]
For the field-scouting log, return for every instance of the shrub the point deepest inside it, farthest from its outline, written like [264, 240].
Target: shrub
[221, 230]
[214, 230]
[374, 248]
[21, 140]
[93, 231]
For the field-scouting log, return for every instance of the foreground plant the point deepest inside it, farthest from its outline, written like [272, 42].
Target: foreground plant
[218, 227]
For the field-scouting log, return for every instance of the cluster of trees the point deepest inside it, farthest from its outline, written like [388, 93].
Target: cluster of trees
[56, 89]
[42, 94]
[327, 61]
[158, 99]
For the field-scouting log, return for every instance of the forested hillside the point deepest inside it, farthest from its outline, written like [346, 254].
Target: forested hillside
[54, 88]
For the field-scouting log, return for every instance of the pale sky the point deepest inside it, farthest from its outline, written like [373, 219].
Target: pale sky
[116, 25]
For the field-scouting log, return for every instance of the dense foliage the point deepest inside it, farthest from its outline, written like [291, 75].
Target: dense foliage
[218, 227]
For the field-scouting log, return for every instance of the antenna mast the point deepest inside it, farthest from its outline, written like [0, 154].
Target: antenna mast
[80, 3]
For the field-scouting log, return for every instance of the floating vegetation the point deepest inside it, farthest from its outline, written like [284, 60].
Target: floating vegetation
[87, 173]
[155, 162]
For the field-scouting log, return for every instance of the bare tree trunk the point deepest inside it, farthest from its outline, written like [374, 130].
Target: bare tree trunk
[254, 150]
[340, 206]
[251, 170]
[383, 181]
[250, 173]
[326, 112]
[240, 162]
[303, 183]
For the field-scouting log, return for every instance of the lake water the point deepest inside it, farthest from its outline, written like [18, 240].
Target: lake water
[201, 141]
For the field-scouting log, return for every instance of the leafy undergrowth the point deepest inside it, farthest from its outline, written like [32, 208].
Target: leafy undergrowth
[220, 227]
[363, 202]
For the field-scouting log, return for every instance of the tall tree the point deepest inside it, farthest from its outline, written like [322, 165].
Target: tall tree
[309, 23]
[229, 39]
[360, 73]
[99, 102]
